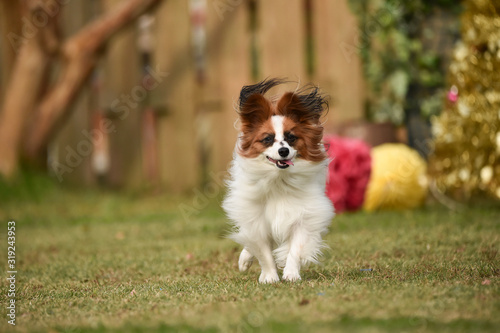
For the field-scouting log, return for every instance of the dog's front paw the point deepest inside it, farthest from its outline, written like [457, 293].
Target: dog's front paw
[291, 275]
[268, 277]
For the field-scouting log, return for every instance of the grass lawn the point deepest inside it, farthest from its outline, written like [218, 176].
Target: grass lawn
[95, 262]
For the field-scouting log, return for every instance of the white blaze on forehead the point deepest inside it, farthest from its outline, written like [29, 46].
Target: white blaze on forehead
[277, 122]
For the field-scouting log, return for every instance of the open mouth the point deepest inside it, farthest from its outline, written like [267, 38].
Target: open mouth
[282, 164]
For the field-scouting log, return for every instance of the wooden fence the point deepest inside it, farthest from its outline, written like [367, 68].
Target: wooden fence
[173, 124]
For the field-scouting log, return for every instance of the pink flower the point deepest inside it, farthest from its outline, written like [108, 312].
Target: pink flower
[349, 172]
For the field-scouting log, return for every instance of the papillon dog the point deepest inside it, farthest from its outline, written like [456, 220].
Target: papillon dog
[276, 192]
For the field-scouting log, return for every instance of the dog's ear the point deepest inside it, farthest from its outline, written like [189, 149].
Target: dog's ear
[255, 111]
[253, 114]
[303, 107]
[258, 88]
[313, 100]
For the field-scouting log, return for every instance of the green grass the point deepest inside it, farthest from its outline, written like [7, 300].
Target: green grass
[98, 262]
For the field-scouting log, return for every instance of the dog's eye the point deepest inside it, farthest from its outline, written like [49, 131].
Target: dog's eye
[290, 138]
[268, 140]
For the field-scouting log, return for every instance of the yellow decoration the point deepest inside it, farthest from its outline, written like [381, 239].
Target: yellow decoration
[398, 179]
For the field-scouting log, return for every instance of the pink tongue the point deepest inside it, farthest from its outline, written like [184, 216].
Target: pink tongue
[288, 162]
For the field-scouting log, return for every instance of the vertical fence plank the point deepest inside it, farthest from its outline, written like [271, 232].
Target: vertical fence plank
[122, 82]
[338, 71]
[228, 69]
[69, 152]
[281, 40]
[178, 143]
[9, 26]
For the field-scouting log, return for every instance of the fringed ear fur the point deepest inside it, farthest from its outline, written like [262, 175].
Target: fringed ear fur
[303, 106]
[259, 88]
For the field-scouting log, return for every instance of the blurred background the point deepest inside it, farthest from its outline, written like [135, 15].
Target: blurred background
[118, 122]
[131, 94]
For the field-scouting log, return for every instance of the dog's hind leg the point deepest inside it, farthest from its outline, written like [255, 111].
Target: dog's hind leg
[245, 261]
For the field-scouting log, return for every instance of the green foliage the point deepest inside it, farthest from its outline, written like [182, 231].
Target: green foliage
[93, 262]
[398, 51]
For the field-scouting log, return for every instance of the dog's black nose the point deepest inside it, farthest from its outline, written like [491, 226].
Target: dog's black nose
[283, 152]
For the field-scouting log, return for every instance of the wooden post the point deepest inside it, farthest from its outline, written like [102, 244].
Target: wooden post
[10, 26]
[178, 144]
[124, 95]
[23, 89]
[228, 69]
[69, 151]
[337, 72]
[282, 39]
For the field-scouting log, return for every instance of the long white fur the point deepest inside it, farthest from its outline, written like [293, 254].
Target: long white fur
[279, 215]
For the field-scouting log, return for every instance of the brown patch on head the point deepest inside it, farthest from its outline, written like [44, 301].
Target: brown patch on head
[304, 124]
[256, 125]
